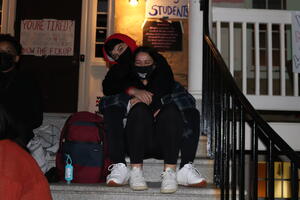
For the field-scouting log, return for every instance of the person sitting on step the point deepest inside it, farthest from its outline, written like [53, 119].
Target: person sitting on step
[187, 175]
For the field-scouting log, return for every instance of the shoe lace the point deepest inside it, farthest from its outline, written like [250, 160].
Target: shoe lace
[114, 166]
[167, 174]
[194, 171]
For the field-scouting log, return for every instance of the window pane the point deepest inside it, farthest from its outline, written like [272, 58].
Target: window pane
[102, 6]
[98, 51]
[100, 35]
[101, 26]
[101, 20]
[1, 5]
[275, 4]
[259, 4]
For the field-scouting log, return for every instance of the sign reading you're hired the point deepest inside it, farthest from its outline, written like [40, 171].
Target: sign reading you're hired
[172, 9]
[47, 37]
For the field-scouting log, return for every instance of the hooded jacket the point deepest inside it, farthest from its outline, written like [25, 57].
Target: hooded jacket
[121, 76]
[126, 39]
[116, 79]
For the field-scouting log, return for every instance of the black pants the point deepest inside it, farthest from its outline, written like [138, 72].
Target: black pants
[154, 137]
[113, 122]
[113, 119]
[189, 143]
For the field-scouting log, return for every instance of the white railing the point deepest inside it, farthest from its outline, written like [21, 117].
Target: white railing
[242, 53]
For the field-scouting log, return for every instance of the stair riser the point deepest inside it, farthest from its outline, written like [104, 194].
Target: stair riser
[97, 196]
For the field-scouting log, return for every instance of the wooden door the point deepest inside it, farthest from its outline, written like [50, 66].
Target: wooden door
[57, 75]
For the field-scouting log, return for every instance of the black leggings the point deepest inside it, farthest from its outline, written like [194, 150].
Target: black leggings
[113, 122]
[113, 119]
[149, 137]
[189, 143]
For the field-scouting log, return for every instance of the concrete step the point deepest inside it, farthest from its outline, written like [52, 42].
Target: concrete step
[64, 191]
[153, 168]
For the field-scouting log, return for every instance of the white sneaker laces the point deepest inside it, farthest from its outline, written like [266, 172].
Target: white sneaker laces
[195, 173]
[114, 166]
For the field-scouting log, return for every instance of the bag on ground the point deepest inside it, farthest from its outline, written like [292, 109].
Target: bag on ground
[83, 138]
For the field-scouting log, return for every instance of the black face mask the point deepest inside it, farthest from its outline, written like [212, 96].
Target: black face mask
[125, 57]
[6, 61]
[144, 72]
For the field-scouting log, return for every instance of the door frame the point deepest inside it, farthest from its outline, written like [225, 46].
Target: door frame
[87, 44]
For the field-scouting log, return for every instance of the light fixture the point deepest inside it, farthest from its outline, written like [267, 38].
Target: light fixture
[133, 2]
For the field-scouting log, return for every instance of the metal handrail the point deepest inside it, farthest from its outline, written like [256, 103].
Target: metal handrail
[225, 113]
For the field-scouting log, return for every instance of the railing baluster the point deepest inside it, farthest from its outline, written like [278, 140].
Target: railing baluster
[222, 143]
[294, 181]
[218, 139]
[282, 60]
[254, 159]
[244, 30]
[296, 84]
[227, 143]
[219, 42]
[233, 151]
[257, 59]
[270, 60]
[224, 147]
[231, 48]
[270, 161]
[241, 170]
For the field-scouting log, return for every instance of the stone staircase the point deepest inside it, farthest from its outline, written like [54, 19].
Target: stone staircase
[152, 171]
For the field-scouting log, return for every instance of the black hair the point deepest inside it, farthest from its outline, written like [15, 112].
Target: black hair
[154, 54]
[13, 41]
[110, 44]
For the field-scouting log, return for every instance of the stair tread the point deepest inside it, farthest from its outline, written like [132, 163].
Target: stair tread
[210, 189]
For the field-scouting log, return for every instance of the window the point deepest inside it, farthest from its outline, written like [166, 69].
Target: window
[270, 4]
[101, 26]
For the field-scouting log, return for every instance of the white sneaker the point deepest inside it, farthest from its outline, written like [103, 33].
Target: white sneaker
[119, 175]
[137, 180]
[169, 182]
[188, 175]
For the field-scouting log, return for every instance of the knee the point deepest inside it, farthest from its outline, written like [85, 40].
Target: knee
[140, 110]
[170, 112]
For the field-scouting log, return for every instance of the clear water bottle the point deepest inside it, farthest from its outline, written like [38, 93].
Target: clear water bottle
[68, 169]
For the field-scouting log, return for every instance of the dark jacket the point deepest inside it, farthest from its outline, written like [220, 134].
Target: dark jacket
[121, 76]
[22, 99]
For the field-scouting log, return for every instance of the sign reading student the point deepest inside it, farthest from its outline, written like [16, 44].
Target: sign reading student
[47, 37]
[172, 9]
[296, 41]
[163, 35]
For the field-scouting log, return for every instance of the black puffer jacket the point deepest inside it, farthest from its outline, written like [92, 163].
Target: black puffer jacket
[22, 99]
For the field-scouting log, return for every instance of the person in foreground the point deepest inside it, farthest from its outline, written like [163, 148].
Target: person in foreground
[121, 85]
[19, 92]
[20, 176]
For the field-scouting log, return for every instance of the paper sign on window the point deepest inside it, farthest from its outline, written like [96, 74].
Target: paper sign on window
[47, 37]
[296, 41]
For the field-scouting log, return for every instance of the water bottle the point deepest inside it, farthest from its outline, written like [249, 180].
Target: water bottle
[69, 169]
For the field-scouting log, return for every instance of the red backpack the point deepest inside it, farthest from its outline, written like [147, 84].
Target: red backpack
[83, 138]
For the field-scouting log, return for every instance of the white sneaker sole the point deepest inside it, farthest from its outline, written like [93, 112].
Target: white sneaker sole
[168, 191]
[112, 183]
[139, 188]
[203, 183]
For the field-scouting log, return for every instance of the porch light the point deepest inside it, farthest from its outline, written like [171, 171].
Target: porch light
[133, 2]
